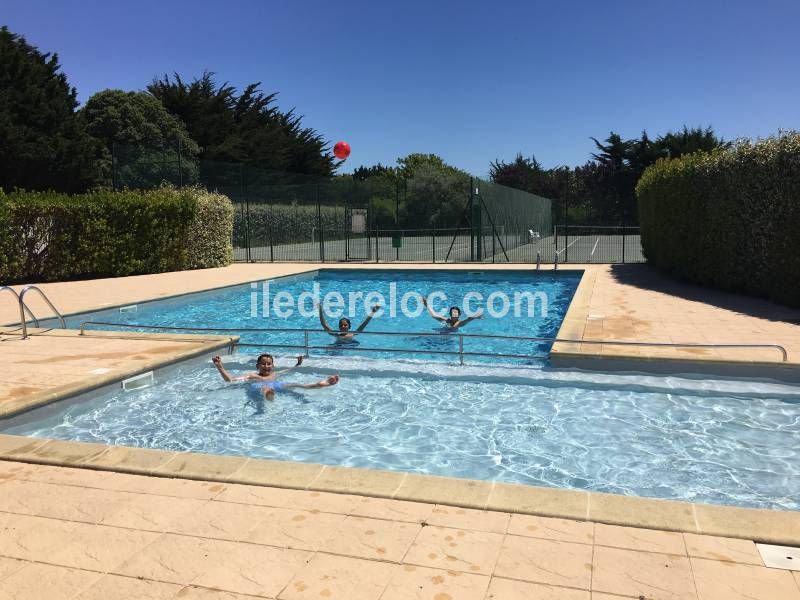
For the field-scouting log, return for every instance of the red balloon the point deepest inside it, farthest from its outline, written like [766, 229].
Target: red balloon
[341, 150]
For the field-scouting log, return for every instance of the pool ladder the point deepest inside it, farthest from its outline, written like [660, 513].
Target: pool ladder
[24, 308]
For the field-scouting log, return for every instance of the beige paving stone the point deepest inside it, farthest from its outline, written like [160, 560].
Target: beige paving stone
[132, 460]
[509, 589]
[419, 583]
[66, 453]
[298, 529]
[550, 502]
[162, 486]
[634, 538]
[719, 548]
[202, 466]
[455, 549]
[445, 490]
[11, 470]
[153, 513]
[285, 498]
[63, 475]
[545, 561]
[719, 580]
[648, 574]
[339, 578]
[781, 527]
[381, 484]
[394, 510]
[191, 592]
[252, 569]
[48, 582]
[371, 538]
[98, 548]
[9, 566]
[219, 520]
[285, 474]
[796, 575]
[30, 538]
[469, 518]
[58, 501]
[19, 447]
[562, 530]
[641, 512]
[128, 588]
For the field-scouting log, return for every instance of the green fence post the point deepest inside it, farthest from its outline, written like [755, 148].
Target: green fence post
[319, 226]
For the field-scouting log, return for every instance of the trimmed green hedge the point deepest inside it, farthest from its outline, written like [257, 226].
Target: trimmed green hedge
[52, 237]
[729, 219]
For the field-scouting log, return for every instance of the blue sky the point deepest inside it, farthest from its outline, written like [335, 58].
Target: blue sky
[470, 81]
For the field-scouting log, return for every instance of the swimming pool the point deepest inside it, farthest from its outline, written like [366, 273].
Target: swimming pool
[704, 440]
[536, 305]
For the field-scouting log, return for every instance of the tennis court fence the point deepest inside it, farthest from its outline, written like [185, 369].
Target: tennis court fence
[430, 217]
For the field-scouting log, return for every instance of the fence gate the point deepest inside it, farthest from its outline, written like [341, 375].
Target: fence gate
[357, 241]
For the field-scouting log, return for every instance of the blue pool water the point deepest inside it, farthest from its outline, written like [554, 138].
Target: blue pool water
[543, 301]
[731, 442]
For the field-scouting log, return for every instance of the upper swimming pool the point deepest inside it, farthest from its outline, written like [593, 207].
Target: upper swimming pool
[513, 303]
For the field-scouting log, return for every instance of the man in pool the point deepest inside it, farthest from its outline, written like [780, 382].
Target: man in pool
[454, 321]
[265, 382]
[344, 334]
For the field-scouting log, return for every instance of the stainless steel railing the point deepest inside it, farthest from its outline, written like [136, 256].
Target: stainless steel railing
[461, 353]
[22, 309]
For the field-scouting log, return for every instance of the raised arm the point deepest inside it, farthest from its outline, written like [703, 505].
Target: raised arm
[220, 367]
[468, 320]
[297, 364]
[361, 327]
[430, 311]
[322, 320]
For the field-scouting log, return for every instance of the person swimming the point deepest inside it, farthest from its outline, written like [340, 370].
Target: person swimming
[264, 380]
[344, 333]
[454, 321]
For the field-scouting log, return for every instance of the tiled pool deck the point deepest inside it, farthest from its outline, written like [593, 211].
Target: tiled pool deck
[81, 533]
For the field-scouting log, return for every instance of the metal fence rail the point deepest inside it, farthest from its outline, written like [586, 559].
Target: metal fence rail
[460, 336]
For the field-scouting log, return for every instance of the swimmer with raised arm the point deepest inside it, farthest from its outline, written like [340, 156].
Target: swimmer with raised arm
[265, 382]
[344, 334]
[454, 321]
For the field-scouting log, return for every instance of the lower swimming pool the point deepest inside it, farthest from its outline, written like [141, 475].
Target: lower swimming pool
[710, 440]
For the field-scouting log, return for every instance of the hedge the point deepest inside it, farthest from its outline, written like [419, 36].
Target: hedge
[52, 237]
[728, 219]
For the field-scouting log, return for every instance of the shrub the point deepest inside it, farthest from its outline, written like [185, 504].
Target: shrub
[112, 234]
[728, 219]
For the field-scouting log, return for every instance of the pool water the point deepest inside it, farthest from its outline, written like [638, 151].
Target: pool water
[730, 442]
[243, 307]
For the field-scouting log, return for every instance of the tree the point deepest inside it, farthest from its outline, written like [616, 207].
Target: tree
[44, 142]
[243, 127]
[134, 121]
[697, 139]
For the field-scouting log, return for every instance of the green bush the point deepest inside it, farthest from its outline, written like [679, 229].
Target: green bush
[729, 219]
[110, 234]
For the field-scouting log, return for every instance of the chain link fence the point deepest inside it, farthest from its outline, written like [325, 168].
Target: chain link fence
[432, 217]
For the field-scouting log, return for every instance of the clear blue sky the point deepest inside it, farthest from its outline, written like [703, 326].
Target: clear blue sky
[471, 81]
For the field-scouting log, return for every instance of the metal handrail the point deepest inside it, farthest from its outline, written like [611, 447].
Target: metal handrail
[29, 288]
[22, 309]
[461, 336]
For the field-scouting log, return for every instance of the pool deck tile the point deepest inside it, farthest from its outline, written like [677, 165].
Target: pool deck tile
[718, 580]
[202, 466]
[546, 561]
[277, 473]
[725, 549]
[230, 543]
[647, 574]
[510, 589]
[561, 530]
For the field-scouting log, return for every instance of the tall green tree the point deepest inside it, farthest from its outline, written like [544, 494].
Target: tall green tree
[45, 144]
[129, 122]
[244, 127]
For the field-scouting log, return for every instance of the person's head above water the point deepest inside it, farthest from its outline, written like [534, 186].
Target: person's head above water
[344, 324]
[264, 363]
[455, 315]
